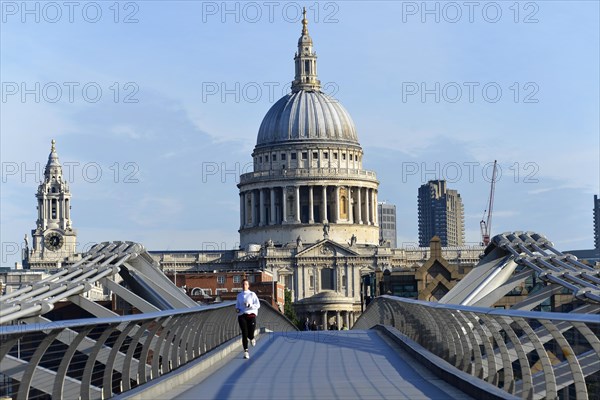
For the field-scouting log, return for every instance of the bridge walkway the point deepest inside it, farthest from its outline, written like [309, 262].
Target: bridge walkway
[318, 365]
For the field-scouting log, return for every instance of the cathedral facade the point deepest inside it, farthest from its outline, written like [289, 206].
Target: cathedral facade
[308, 210]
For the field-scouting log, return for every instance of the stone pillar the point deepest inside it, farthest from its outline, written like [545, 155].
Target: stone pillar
[338, 320]
[350, 211]
[325, 325]
[297, 205]
[368, 206]
[358, 208]
[283, 204]
[253, 206]
[261, 205]
[273, 220]
[311, 217]
[325, 217]
[347, 319]
[242, 210]
[336, 215]
[376, 209]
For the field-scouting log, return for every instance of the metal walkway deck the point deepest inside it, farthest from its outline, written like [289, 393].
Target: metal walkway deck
[319, 365]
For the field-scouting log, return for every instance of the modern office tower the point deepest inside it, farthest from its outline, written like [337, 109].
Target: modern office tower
[596, 222]
[387, 223]
[441, 214]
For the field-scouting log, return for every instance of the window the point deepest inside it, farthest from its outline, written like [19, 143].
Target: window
[350, 157]
[237, 279]
[315, 154]
[311, 281]
[293, 156]
[267, 158]
[335, 156]
[251, 278]
[343, 156]
[304, 155]
[221, 279]
[326, 155]
[260, 159]
[282, 156]
[274, 157]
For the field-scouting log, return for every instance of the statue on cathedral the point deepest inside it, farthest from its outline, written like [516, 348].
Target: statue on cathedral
[299, 241]
[325, 231]
[270, 243]
[353, 240]
[26, 242]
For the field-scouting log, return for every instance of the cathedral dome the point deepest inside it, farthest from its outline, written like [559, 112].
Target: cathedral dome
[306, 115]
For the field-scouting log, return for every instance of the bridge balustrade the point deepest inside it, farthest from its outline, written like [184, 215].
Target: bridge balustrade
[97, 358]
[526, 353]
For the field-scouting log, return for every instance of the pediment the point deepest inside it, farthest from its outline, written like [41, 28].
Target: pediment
[327, 248]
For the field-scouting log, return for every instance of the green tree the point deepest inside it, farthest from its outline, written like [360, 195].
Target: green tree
[288, 309]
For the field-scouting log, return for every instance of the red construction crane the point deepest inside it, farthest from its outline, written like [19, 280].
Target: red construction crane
[486, 223]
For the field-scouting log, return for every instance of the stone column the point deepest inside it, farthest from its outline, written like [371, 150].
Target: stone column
[338, 320]
[261, 205]
[283, 204]
[253, 205]
[349, 200]
[311, 217]
[358, 208]
[297, 204]
[325, 325]
[325, 217]
[336, 215]
[247, 213]
[376, 209]
[273, 220]
[347, 319]
[242, 209]
[367, 207]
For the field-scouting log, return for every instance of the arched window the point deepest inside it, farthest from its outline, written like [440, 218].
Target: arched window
[344, 205]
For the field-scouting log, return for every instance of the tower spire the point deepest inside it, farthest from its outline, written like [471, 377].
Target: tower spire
[304, 22]
[306, 62]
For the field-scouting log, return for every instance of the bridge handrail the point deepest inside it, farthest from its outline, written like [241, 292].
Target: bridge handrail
[554, 316]
[115, 354]
[526, 353]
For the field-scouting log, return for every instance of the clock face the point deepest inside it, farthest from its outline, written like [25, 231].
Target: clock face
[53, 241]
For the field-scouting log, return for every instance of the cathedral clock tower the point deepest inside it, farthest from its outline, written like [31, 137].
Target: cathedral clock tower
[54, 239]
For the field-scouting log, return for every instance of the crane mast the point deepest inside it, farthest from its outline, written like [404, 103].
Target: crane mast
[486, 223]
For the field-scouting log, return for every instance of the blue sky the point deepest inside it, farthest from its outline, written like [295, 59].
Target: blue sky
[435, 93]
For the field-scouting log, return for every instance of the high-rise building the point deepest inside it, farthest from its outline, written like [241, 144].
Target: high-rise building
[596, 222]
[440, 214]
[387, 223]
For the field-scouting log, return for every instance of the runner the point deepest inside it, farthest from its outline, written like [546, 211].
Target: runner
[247, 306]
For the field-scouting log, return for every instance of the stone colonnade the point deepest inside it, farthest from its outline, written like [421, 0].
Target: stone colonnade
[308, 204]
[342, 318]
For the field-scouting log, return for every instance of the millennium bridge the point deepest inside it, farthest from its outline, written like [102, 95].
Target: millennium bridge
[459, 347]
